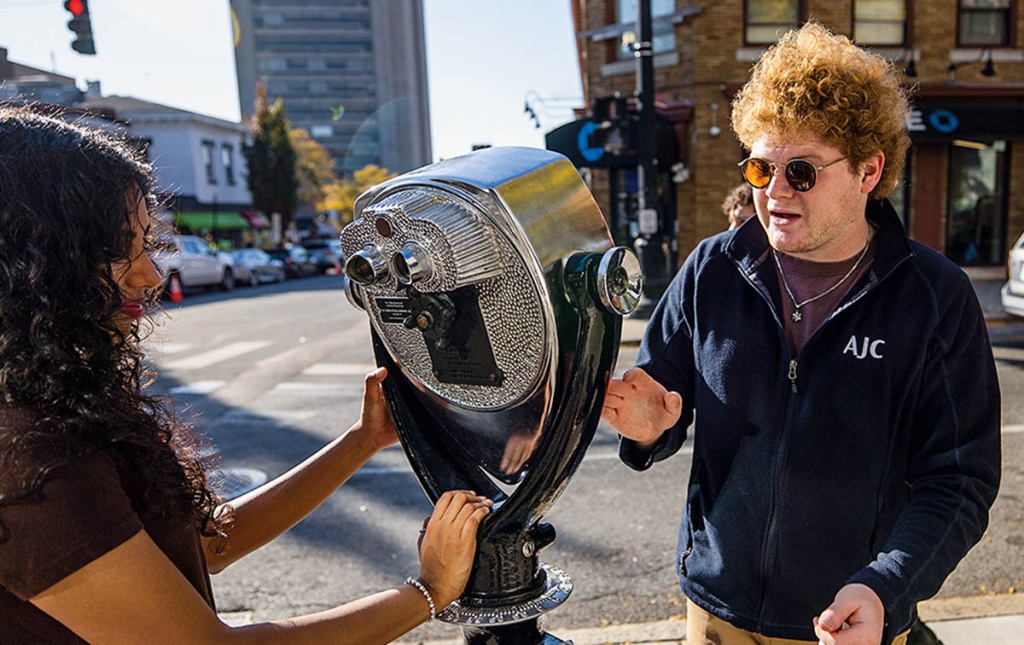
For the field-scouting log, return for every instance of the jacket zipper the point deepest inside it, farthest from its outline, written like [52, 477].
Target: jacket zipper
[767, 556]
[791, 374]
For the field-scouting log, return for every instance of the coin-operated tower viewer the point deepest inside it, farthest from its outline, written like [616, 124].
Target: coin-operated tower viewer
[495, 299]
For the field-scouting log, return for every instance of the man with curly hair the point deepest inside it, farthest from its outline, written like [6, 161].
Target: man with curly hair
[846, 444]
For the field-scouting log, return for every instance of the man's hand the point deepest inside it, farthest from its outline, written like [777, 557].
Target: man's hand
[640, 408]
[855, 617]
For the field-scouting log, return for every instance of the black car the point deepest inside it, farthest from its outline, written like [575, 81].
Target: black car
[296, 259]
[326, 254]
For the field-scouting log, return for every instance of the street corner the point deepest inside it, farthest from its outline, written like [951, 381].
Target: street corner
[971, 607]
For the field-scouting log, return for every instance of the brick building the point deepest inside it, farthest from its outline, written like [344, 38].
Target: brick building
[963, 61]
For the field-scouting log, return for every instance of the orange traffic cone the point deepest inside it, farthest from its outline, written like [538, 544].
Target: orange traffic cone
[176, 293]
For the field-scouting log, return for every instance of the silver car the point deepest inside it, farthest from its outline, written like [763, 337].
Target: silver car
[253, 266]
[1012, 293]
[196, 264]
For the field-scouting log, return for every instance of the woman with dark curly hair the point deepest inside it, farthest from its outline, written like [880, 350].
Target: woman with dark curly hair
[108, 526]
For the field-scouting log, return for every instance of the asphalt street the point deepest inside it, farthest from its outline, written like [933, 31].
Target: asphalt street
[272, 373]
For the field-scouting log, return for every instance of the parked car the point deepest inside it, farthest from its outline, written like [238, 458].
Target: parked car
[195, 264]
[297, 263]
[253, 266]
[1012, 294]
[326, 254]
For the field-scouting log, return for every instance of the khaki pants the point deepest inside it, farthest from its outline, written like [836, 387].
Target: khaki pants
[704, 629]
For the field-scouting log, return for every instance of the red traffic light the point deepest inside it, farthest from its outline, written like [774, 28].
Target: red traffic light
[81, 25]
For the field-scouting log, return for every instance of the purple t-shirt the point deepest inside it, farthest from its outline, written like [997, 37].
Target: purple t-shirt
[88, 507]
[807, 279]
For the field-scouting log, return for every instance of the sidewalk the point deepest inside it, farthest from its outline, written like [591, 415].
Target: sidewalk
[987, 283]
[977, 620]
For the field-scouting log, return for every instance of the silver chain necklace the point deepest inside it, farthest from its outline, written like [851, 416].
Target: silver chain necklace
[797, 316]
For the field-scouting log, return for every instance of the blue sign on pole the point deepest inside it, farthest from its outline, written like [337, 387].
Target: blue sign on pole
[575, 140]
[587, 151]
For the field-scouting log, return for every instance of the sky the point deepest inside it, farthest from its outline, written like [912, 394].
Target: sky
[485, 58]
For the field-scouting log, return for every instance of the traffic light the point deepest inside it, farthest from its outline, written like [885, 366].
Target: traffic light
[615, 116]
[81, 25]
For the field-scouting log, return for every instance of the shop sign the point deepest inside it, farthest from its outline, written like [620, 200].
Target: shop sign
[948, 120]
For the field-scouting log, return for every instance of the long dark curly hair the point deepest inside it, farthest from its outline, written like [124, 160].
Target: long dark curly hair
[67, 196]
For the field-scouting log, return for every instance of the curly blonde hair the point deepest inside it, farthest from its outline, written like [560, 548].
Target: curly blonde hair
[815, 83]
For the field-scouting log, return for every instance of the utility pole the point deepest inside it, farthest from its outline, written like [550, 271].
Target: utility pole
[649, 245]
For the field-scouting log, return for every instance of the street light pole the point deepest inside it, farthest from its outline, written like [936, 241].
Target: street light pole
[649, 243]
[216, 234]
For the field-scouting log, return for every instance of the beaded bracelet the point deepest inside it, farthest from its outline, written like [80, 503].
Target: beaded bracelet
[426, 594]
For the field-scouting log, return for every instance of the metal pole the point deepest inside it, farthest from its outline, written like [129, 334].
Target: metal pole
[644, 53]
[216, 235]
[648, 245]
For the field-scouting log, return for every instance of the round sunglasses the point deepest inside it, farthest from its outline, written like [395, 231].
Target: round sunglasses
[800, 173]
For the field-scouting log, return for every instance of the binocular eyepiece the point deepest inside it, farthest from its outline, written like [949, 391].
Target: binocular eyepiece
[409, 264]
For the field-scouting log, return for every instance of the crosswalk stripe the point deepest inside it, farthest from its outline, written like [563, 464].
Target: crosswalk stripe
[606, 454]
[163, 349]
[297, 387]
[339, 369]
[243, 417]
[197, 387]
[1013, 429]
[206, 359]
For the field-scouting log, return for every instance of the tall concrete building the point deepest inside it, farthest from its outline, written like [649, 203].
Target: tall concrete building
[351, 72]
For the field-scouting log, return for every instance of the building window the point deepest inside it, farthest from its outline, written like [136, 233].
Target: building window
[273, 64]
[975, 222]
[984, 22]
[227, 158]
[663, 32]
[321, 131]
[768, 20]
[211, 176]
[880, 22]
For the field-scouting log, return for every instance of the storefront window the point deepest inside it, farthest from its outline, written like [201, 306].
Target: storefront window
[767, 20]
[663, 31]
[975, 225]
[900, 196]
[879, 22]
[984, 22]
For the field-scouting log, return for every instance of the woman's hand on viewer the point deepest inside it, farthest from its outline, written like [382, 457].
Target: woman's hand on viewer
[448, 546]
[640, 408]
[375, 419]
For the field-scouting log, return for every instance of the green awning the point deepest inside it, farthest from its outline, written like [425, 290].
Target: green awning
[227, 220]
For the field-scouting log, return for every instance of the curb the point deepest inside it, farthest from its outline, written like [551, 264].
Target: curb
[977, 609]
[963, 607]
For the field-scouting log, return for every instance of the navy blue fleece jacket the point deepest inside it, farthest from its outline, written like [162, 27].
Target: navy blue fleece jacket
[872, 456]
